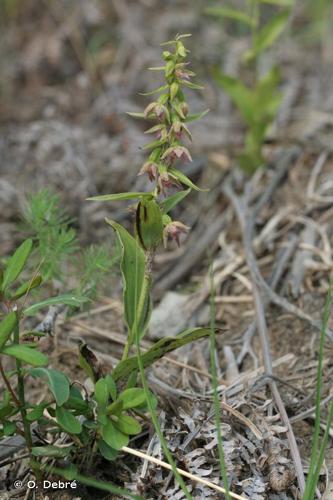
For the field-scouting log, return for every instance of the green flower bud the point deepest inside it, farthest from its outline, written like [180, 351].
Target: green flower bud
[174, 87]
[149, 224]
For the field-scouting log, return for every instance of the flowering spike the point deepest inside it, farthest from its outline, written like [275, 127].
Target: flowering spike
[170, 112]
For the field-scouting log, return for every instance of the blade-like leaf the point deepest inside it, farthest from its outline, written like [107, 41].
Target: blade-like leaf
[25, 354]
[160, 349]
[67, 299]
[155, 91]
[241, 96]
[119, 196]
[7, 325]
[196, 116]
[184, 179]
[133, 272]
[173, 200]
[268, 34]
[51, 451]
[16, 263]
[235, 15]
[57, 382]
[26, 287]
[101, 392]
[67, 421]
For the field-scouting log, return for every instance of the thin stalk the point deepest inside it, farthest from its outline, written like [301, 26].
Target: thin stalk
[22, 408]
[217, 406]
[136, 335]
[314, 452]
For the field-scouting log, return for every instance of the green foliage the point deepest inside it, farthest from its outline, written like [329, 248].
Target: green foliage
[259, 102]
[318, 452]
[49, 226]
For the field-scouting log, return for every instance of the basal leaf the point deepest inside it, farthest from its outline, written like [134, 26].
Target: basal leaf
[128, 425]
[67, 421]
[132, 397]
[106, 451]
[101, 392]
[25, 354]
[114, 437]
[16, 263]
[57, 382]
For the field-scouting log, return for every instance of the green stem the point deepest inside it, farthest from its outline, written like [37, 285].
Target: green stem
[137, 336]
[217, 405]
[21, 398]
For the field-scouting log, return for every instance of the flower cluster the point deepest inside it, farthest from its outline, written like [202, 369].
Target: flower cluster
[171, 114]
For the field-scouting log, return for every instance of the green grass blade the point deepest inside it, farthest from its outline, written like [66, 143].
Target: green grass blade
[213, 369]
[312, 479]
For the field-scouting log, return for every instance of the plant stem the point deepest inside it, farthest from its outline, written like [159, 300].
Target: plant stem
[137, 336]
[21, 398]
[217, 405]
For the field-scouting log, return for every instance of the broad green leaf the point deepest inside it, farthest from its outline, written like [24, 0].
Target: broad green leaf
[101, 392]
[67, 421]
[7, 325]
[196, 116]
[161, 348]
[111, 387]
[51, 451]
[25, 354]
[36, 413]
[106, 451]
[66, 299]
[114, 437]
[120, 196]
[184, 179]
[128, 425]
[57, 382]
[115, 408]
[132, 397]
[133, 273]
[16, 263]
[268, 34]
[173, 200]
[26, 287]
[241, 96]
[235, 15]
[9, 428]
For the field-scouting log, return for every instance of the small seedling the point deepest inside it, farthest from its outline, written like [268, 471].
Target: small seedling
[259, 101]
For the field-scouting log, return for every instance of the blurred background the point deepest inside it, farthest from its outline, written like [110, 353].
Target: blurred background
[71, 69]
